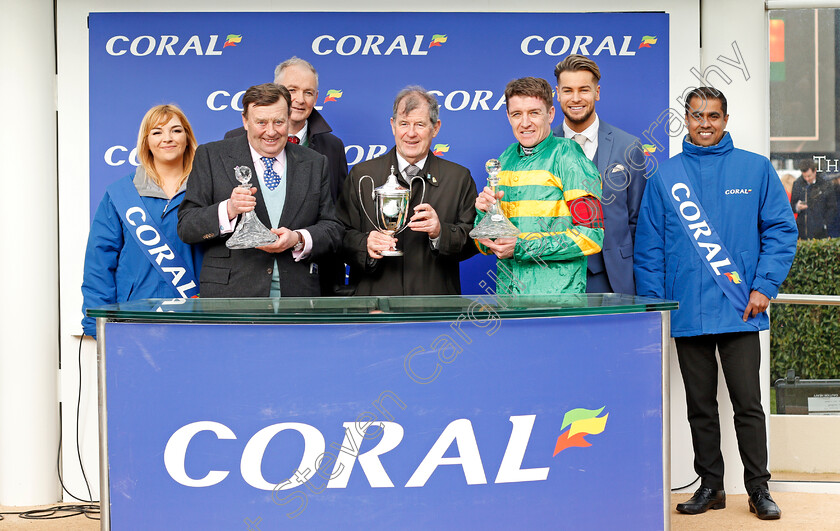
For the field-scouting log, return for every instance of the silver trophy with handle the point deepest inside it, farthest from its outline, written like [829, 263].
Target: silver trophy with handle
[391, 206]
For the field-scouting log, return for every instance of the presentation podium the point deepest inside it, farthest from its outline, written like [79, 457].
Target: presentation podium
[467, 412]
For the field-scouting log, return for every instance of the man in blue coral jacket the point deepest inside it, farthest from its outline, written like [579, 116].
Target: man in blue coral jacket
[716, 233]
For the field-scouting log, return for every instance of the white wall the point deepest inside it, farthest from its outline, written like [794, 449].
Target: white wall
[29, 265]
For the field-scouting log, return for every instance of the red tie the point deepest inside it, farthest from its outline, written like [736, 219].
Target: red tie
[294, 140]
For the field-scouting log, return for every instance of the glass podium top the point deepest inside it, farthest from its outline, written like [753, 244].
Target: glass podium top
[376, 309]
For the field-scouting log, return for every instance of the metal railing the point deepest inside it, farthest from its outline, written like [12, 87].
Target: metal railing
[800, 4]
[794, 298]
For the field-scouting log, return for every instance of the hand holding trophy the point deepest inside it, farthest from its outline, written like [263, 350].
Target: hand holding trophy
[249, 232]
[494, 224]
[391, 205]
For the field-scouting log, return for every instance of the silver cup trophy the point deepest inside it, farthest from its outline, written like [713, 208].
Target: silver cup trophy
[494, 224]
[249, 232]
[391, 204]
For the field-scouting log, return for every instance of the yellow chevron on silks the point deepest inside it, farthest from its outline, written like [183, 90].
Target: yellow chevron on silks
[590, 426]
[571, 195]
[528, 236]
[533, 208]
[529, 178]
[587, 246]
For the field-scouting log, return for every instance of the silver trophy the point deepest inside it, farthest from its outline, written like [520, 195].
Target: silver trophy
[494, 224]
[391, 204]
[249, 232]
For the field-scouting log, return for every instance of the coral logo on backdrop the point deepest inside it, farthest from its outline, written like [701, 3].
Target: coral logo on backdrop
[232, 40]
[473, 100]
[376, 44]
[333, 95]
[650, 149]
[143, 45]
[437, 40]
[733, 277]
[581, 422]
[357, 153]
[647, 41]
[554, 45]
[440, 149]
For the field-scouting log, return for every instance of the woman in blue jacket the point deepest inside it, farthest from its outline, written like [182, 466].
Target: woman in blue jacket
[133, 250]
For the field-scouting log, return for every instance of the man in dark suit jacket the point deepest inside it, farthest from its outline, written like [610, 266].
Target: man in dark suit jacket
[308, 128]
[813, 200]
[621, 162]
[292, 196]
[437, 237]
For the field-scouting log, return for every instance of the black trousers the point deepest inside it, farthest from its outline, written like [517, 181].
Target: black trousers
[740, 357]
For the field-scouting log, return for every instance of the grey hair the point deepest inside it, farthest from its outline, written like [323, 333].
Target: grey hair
[414, 96]
[295, 61]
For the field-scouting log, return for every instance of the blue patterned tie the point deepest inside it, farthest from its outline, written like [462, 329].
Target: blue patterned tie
[270, 176]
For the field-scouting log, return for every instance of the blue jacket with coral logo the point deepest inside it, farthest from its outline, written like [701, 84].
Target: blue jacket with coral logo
[116, 268]
[746, 204]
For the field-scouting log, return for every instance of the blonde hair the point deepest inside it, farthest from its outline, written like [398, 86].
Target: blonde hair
[155, 117]
[787, 181]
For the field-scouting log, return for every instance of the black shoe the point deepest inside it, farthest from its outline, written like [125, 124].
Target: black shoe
[763, 505]
[703, 500]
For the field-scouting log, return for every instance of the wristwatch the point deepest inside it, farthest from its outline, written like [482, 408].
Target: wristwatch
[299, 245]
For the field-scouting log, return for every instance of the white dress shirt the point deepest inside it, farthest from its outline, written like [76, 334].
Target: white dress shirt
[403, 165]
[227, 225]
[591, 134]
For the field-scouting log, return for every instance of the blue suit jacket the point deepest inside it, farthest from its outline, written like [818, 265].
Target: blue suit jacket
[621, 162]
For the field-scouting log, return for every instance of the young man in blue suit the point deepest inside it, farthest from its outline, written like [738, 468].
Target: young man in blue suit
[621, 162]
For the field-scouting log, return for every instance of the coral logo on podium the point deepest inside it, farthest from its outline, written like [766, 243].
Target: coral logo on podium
[647, 41]
[581, 422]
[232, 40]
[437, 40]
[335, 466]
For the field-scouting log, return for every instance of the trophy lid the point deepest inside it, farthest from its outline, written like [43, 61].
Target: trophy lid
[392, 188]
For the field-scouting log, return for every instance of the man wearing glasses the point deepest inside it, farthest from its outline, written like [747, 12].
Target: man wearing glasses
[551, 192]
